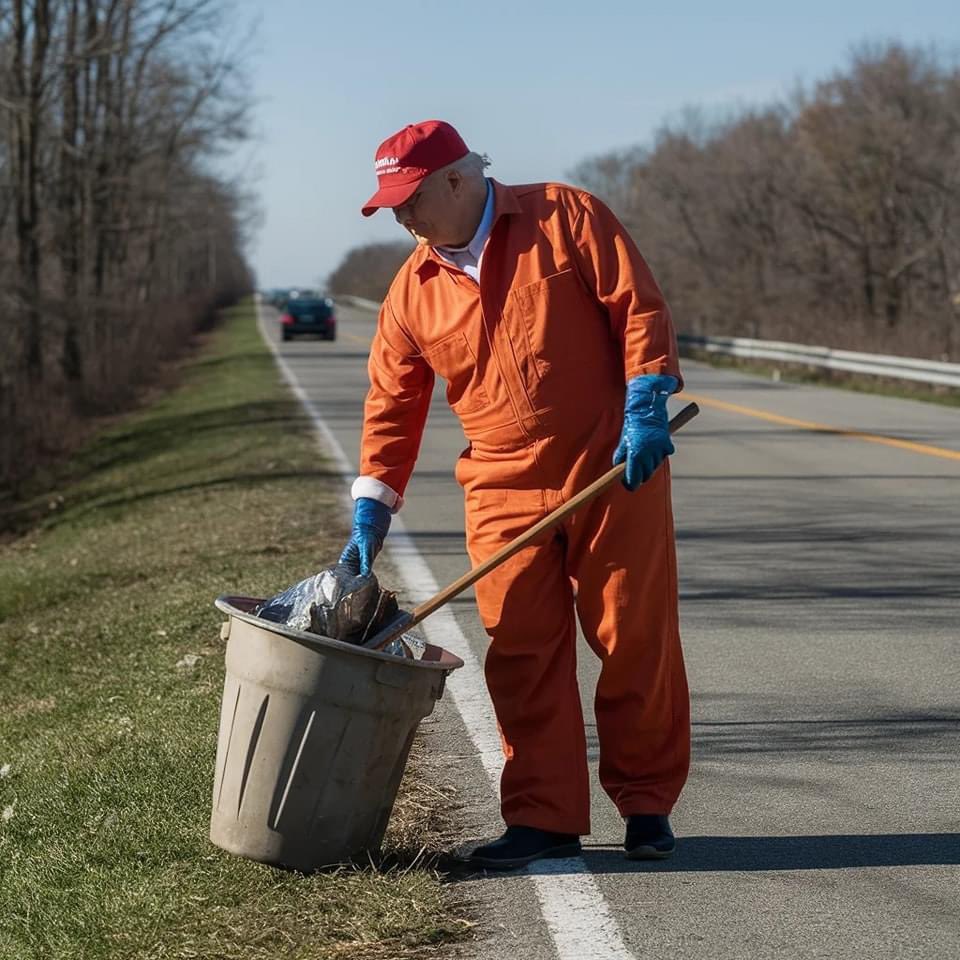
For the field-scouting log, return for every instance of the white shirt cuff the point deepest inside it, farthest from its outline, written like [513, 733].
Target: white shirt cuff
[376, 490]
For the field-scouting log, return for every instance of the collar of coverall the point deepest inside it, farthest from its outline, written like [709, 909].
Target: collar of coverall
[504, 202]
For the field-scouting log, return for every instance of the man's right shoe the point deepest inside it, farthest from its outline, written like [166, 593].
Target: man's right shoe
[522, 845]
[649, 837]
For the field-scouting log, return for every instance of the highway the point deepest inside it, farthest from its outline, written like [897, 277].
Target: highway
[819, 546]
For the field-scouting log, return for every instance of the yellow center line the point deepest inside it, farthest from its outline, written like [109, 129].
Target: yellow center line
[925, 448]
[356, 339]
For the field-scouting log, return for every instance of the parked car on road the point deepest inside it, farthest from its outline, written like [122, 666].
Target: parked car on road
[308, 315]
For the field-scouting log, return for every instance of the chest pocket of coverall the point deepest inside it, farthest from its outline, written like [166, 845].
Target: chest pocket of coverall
[550, 310]
[453, 359]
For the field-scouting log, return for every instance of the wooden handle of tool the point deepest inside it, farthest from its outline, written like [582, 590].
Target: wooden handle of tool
[504, 553]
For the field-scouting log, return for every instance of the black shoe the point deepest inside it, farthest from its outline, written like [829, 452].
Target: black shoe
[649, 837]
[522, 845]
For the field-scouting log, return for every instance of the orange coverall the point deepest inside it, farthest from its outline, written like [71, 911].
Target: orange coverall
[536, 359]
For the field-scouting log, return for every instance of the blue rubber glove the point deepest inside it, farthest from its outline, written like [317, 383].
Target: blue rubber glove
[645, 439]
[371, 521]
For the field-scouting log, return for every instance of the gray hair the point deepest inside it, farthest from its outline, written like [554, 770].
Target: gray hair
[471, 164]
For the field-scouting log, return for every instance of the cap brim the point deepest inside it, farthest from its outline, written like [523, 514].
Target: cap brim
[391, 196]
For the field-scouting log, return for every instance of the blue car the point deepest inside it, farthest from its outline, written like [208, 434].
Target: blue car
[309, 315]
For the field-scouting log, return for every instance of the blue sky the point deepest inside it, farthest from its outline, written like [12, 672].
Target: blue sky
[538, 86]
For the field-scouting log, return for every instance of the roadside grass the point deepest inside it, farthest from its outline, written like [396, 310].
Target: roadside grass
[111, 669]
[840, 379]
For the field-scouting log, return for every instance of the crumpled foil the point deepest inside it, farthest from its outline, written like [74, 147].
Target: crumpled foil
[342, 605]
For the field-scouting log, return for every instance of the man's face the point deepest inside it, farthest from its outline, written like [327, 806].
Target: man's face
[434, 213]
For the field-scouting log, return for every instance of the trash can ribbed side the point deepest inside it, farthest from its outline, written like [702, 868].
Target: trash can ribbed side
[312, 746]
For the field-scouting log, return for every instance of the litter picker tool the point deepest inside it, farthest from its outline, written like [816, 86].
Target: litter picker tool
[422, 611]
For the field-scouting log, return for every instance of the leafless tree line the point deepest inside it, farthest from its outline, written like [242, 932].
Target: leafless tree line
[116, 238]
[833, 218]
[366, 271]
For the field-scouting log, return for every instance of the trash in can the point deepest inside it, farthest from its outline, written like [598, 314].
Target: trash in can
[314, 737]
[342, 605]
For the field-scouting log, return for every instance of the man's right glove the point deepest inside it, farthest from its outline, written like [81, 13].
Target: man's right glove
[645, 439]
[371, 521]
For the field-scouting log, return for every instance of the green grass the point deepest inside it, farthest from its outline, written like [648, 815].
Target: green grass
[840, 379]
[111, 669]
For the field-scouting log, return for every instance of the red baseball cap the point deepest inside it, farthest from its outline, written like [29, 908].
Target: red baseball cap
[406, 158]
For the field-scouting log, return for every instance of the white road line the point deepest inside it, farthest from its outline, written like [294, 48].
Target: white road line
[572, 905]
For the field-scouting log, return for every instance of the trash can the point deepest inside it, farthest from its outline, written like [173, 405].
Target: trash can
[314, 737]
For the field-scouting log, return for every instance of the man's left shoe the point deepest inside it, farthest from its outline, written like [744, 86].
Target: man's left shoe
[522, 845]
[649, 837]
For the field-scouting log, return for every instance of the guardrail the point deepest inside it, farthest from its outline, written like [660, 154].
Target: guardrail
[934, 372]
[359, 302]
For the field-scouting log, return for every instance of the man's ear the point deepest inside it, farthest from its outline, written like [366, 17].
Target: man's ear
[455, 179]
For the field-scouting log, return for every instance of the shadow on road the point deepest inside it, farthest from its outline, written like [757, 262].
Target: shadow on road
[836, 852]
[738, 855]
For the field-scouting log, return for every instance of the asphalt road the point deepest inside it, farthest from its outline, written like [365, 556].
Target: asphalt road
[820, 611]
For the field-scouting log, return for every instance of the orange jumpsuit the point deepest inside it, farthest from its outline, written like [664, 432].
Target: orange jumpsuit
[535, 360]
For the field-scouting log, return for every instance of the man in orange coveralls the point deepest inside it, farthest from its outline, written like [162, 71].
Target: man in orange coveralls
[536, 307]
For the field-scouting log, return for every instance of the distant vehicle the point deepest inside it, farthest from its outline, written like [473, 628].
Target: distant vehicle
[308, 315]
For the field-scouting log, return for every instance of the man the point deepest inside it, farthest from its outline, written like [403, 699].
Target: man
[535, 306]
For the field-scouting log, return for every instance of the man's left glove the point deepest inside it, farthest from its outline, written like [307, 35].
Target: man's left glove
[645, 439]
[371, 521]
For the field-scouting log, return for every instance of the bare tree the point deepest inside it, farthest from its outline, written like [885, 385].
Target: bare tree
[111, 111]
[367, 271]
[833, 217]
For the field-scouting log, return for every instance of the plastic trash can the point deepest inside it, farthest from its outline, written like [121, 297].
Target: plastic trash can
[314, 737]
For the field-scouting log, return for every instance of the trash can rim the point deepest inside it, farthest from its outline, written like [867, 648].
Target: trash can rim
[225, 604]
